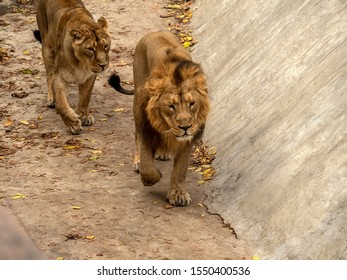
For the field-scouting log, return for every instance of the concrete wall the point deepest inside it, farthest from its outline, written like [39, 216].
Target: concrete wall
[277, 75]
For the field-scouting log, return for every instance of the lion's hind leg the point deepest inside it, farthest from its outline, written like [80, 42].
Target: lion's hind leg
[48, 59]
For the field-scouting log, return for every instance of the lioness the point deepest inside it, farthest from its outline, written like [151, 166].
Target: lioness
[171, 105]
[74, 48]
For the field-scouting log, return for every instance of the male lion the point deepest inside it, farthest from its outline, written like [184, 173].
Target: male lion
[74, 49]
[171, 105]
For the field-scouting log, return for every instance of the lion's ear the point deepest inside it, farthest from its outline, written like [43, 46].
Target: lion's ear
[103, 23]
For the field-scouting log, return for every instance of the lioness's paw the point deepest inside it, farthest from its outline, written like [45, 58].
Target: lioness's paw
[88, 120]
[178, 198]
[50, 104]
[150, 178]
[137, 166]
[75, 127]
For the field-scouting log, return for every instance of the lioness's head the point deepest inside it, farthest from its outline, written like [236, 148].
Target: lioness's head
[91, 45]
[179, 103]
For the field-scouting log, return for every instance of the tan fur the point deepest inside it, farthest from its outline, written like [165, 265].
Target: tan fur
[74, 48]
[171, 105]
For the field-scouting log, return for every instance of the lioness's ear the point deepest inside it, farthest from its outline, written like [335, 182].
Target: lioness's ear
[77, 36]
[103, 23]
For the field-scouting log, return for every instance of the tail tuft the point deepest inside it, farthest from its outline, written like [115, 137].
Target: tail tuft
[37, 35]
[114, 81]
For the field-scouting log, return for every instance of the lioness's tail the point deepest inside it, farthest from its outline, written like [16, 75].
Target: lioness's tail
[114, 81]
[37, 35]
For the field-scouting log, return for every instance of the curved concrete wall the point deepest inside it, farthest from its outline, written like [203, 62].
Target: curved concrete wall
[277, 75]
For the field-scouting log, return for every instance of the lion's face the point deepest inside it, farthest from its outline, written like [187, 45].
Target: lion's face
[178, 108]
[91, 45]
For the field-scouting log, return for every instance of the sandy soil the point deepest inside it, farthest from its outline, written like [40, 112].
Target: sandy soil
[78, 196]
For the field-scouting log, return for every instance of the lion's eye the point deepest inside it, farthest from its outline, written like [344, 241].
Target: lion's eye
[191, 104]
[106, 47]
[172, 107]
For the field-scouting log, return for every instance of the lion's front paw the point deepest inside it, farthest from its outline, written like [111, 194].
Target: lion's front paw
[87, 120]
[150, 177]
[178, 197]
[75, 126]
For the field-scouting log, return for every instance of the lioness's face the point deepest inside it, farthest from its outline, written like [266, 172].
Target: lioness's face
[91, 46]
[179, 111]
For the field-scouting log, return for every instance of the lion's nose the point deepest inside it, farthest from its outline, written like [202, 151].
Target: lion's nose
[102, 65]
[185, 128]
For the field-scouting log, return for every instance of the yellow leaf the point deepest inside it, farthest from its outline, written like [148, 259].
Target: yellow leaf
[173, 7]
[118, 110]
[59, 258]
[186, 44]
[76, 207]
[97, 152]
[93, 171]
[94, 157]
[201, 182]
[40, 117]
[200, 204]
[18, 196]
[8, 123]
[26, 52]
[103, 120]
[255, 258]
[24, 122]
[90, 237]
[71, 147]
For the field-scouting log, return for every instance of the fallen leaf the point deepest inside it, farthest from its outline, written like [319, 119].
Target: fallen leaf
[177, 7]
[89, 237]
[167, 206]
[71, 147]
[8, 123]
[94, 157]
[18, 196]
[59, 258]
[187, 44]
[76, 207]
[118, 110]
[201, 182]
[26, 52]
[24, 122]
[255, 258]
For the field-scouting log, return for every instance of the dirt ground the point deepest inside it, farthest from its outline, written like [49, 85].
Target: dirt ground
[78, 196]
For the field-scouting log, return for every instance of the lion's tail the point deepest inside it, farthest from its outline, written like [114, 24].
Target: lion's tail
[114, 81]
[37, 35]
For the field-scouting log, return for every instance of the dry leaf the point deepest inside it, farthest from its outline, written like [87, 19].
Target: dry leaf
[255, 258]
[18, 196]
[59, 258]
[24, 122]
[71, 147]
[76, 207]
[118, 110]
[167, 206]
[89, 237]
[187, 44]
[8, 123]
